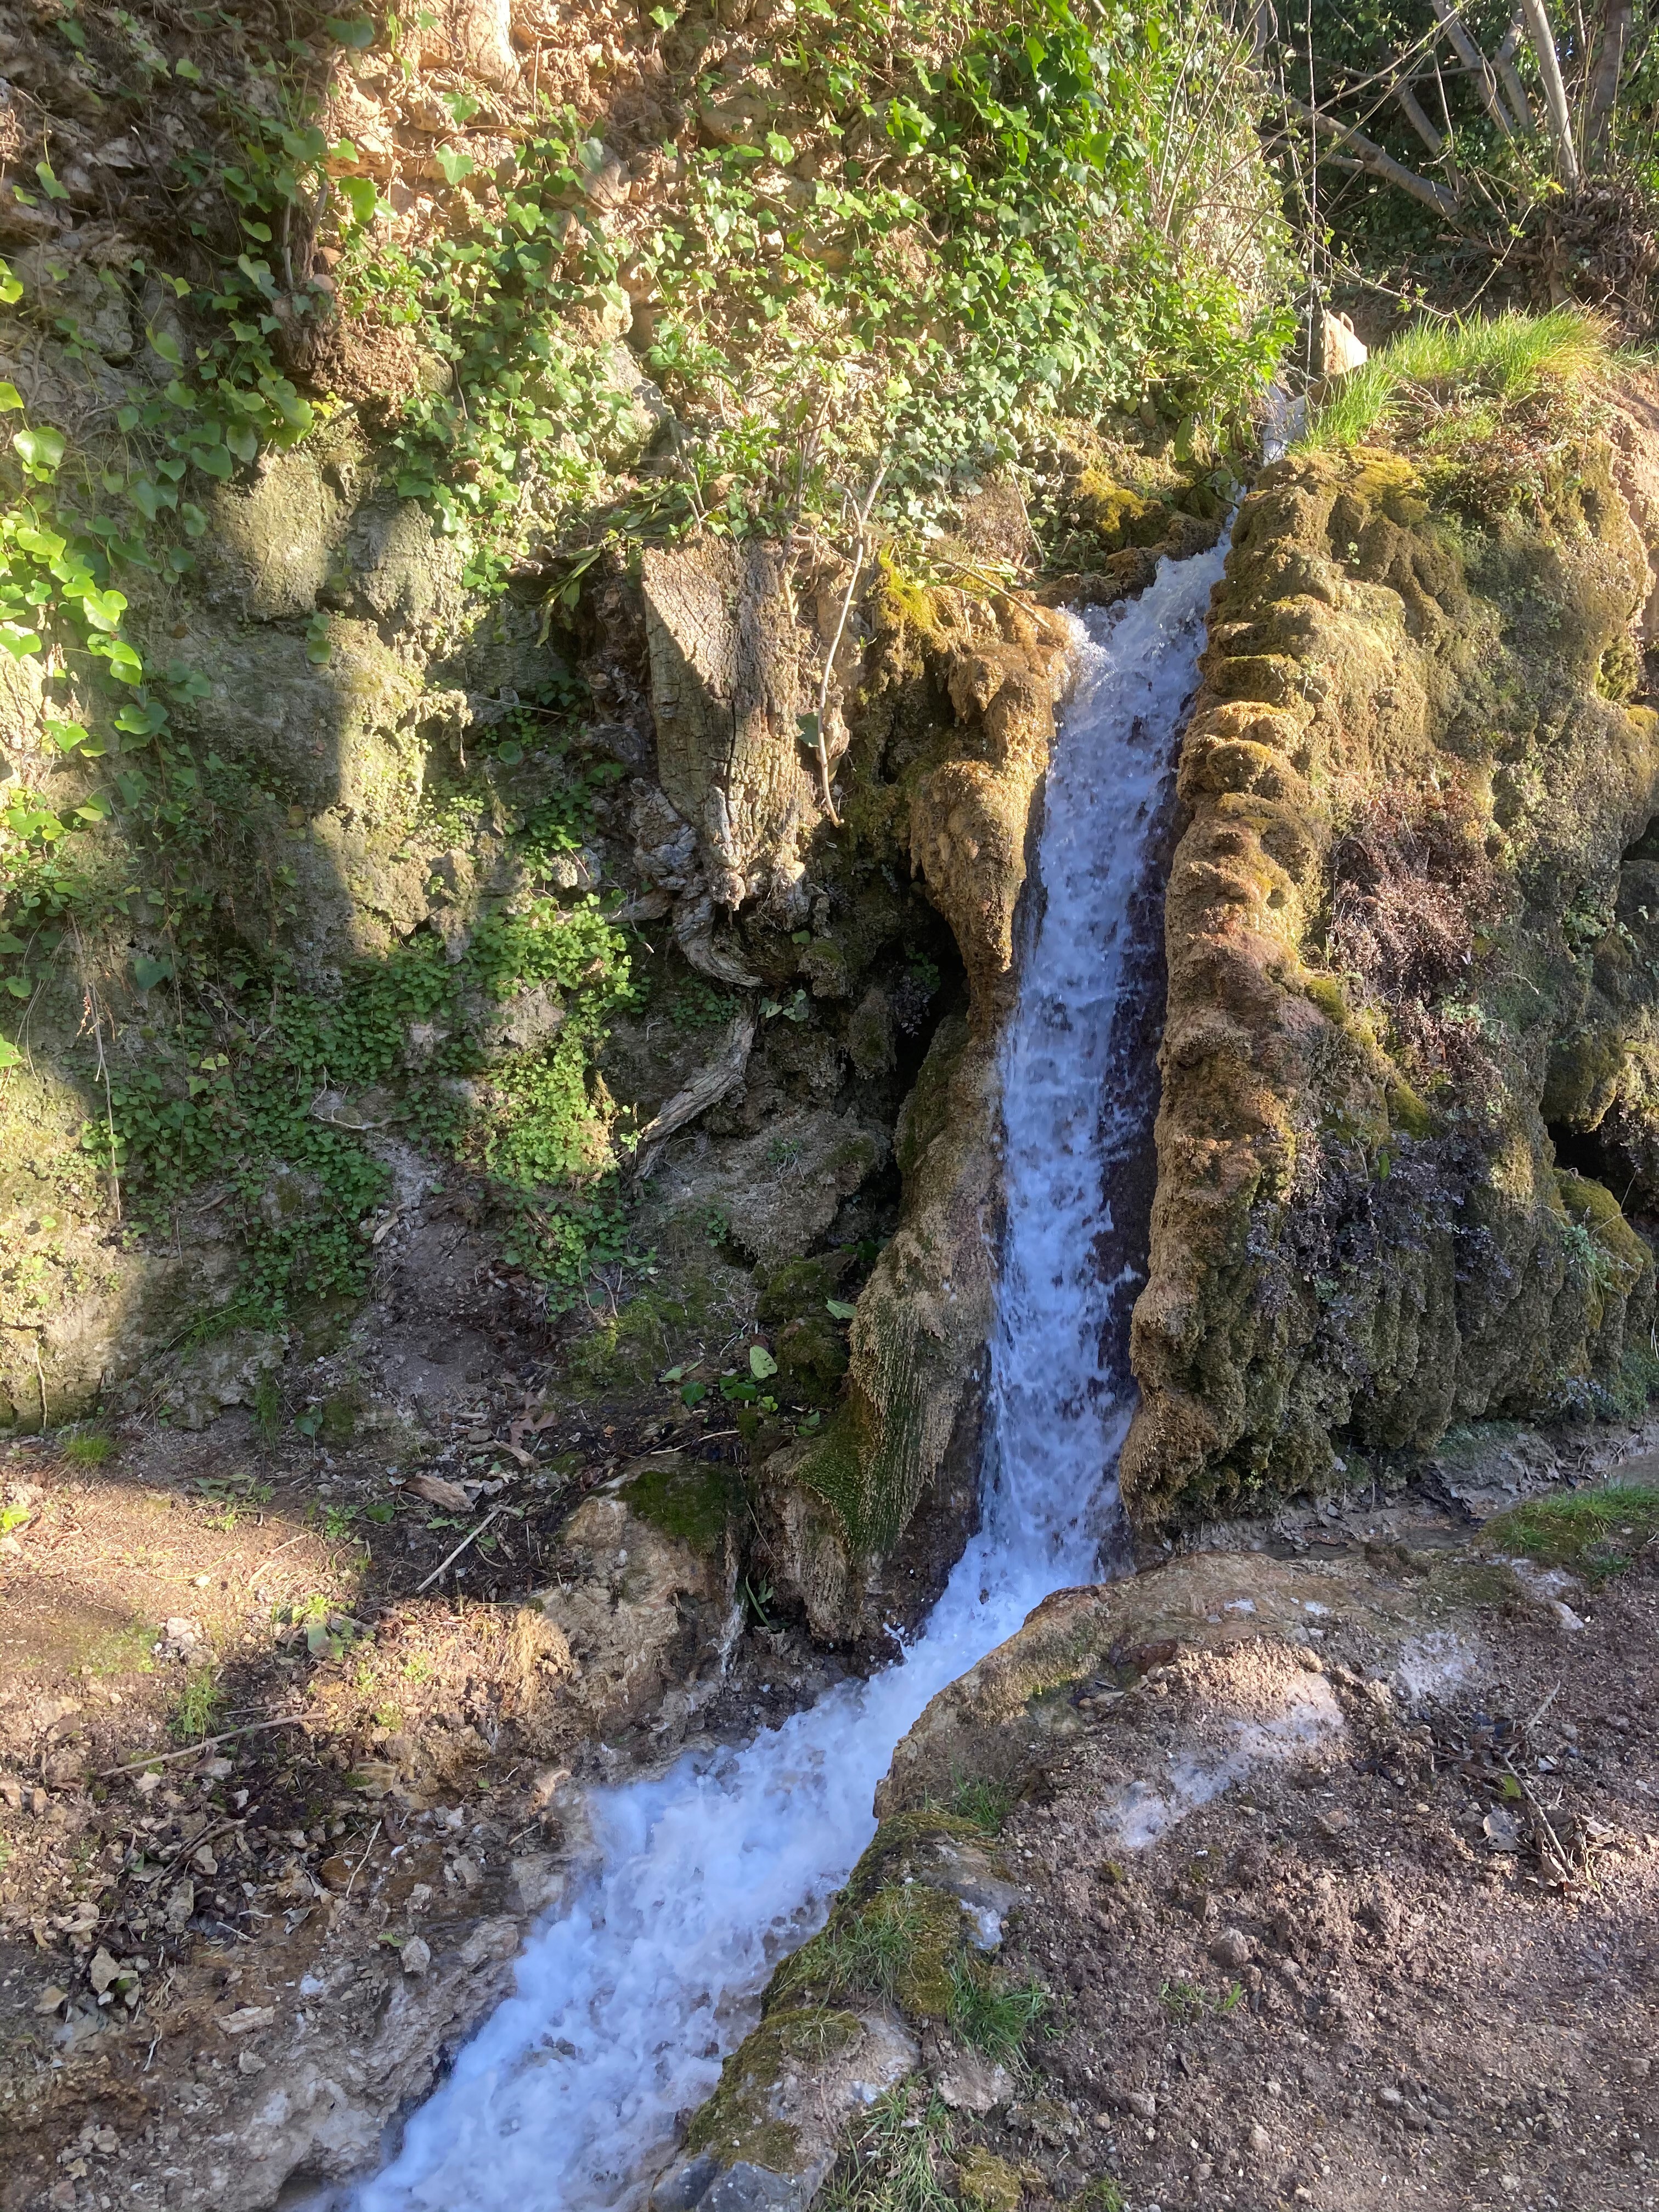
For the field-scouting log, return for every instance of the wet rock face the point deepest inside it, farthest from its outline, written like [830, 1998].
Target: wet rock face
[1406, 1063]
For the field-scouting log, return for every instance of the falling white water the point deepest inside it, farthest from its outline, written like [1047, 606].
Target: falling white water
[565, 2101]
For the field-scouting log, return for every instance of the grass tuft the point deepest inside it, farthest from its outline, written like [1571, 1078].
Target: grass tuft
[91, 1448]
[896, 2162]
[1596, 1534]
[995, 2016]
[1505, 358]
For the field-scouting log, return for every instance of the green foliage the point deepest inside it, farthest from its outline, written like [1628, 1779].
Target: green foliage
[266, 1099]
[995, 2015]
[198, 1707]
[1504, 358]
[88, 1448]
[1596, 1534]
[896, 2162]
[1047, 217]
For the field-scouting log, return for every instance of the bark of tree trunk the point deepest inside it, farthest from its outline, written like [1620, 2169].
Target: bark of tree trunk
[1555, 93]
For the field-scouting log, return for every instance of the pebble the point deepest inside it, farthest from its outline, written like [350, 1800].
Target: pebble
[1142, 2103]
[1260, 2140]
[417, 1955]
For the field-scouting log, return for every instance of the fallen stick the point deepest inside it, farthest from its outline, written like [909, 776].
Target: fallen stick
[459, 1549]
[195, 1750]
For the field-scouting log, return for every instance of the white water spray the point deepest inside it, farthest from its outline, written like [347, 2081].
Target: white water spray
[566, 2098]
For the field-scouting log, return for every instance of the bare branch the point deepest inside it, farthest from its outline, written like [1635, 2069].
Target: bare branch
[1413, 109]
[1503, 62]
[1616, 21]
[1476, 64]
[1555, 93]
[1381, 164]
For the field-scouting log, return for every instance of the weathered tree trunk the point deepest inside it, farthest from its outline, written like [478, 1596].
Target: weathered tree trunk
[1555, 93]
[1616, 16]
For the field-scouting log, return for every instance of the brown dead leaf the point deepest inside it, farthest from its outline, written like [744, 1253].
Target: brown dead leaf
[436, 1491]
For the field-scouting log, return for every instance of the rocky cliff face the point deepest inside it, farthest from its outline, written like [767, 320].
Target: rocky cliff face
[1413, 958]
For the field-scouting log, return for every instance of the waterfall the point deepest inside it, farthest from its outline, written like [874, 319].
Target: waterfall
[566, 2098]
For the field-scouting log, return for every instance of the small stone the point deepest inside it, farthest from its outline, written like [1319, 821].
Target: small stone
[336, 1872]
[1259, 2141]
[102, 1971]
[417, 1955]
[248, 2020]
[50, 1998]
[249, 2062]
[1142, 2103]
[1232, 1948]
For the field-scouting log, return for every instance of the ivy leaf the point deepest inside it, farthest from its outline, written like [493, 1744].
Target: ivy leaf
[104, 609]
[693, 1394]
[761, 1363]
[838, 1309]
[40, 451]
[213, 461]
[194, 520]
[454, 164]
[21, 643]
[242, 441]
[186, 68]
[361, 196]
[11, 398]
[353, 31]
[807, 729]
[48, 183]
[66, 735]
[167, 345]
[10, 1055]
[11, 289]
[18, 986]
[779, 148]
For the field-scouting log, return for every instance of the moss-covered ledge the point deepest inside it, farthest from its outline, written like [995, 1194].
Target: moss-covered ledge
[1415, 785]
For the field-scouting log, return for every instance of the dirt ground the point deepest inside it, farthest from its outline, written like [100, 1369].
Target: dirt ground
[1319, 1931]
[274, 1822]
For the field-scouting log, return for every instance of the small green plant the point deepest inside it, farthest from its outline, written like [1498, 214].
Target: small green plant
[1185, 2002]
[336, 1522]
[89, 1448]
[268, 1407]
[896, 2162]
[198, 1707]
[987, 1804]
[381, 1510]
[13, 1516]
[1594, 1533]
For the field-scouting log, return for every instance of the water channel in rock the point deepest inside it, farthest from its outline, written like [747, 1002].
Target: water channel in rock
[566, 2098]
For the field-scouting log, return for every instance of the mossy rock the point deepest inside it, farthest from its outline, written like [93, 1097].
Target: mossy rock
[988, 2182]
[737, 2122]
[693, 1501]
[803, 1286]
[811, 1356]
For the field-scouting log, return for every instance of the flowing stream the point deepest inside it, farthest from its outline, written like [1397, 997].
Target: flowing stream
[565, 2099]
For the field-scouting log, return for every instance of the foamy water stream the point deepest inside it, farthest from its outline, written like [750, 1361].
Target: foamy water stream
[565, 2099]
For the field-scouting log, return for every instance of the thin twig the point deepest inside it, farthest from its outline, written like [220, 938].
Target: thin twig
[863, 514]
[361, 1861]
[459, 1549]
[194, 1750]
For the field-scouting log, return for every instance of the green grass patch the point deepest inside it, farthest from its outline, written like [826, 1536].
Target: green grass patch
[1594, 1534]
[198, 1706]
[994, 2014]
[89, 1448]
[896, 2162]
[1497, 359]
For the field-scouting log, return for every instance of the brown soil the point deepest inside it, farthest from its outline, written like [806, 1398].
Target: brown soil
[1412, 1953]
[226, 1943]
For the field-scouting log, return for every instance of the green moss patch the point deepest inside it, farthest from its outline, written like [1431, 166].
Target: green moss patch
[691, 1501]
[737, 2121]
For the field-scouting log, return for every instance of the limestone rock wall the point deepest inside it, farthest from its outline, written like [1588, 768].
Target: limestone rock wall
[1406, 934]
